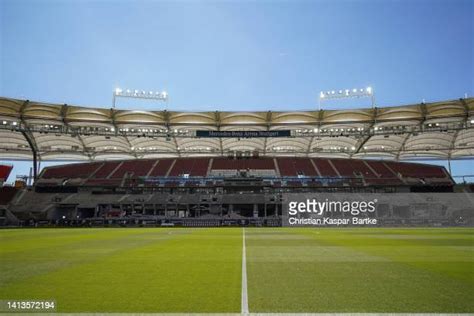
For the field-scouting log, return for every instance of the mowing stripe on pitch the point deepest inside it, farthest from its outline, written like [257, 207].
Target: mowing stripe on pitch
[245, 301]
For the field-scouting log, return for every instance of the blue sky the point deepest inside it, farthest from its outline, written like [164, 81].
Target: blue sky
[230, 55]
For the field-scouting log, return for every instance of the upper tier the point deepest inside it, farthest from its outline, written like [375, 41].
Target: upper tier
[370, 172]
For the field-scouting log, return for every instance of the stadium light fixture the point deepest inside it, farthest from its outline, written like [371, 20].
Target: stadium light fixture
[139, 94]
[367, 92]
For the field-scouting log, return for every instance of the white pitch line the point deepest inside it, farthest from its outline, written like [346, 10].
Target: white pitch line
[245, 301]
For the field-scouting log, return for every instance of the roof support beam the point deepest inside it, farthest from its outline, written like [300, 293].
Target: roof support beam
[63, 114]
[424, 113]
[421, 125]
[166, 116]
[34, 150]
[456, 133]
[217, 118]
[466, 109]
[320, 119]
[26, 132]
[269, 123]
[402, 146]
[453, 143]
[114, 123]
[318, 124]
[367, 137]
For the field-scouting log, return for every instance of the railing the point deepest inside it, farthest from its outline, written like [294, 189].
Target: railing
[466, 179]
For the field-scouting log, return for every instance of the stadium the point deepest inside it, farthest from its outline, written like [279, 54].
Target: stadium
[182, 168]
[234, 169]
[257, 158]
[195, 201]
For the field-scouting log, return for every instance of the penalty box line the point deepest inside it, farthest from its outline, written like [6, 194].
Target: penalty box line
[245, 301]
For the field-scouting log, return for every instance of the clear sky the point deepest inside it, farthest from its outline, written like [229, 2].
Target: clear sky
[236, 55]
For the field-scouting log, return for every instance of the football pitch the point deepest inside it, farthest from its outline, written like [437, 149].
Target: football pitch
[226, 270]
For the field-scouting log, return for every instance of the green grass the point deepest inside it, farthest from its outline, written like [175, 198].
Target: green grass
[199, 270]
[124, 270]
[361, 270]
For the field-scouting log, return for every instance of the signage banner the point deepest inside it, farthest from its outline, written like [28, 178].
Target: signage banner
[244, 134]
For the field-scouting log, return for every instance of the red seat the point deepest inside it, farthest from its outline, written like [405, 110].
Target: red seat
[106, 169]
[79, 170]
[325, 168]
[5, 171]
[194, 167]
[138, 168]
[243, 164]
[161, 168]
[292, 167]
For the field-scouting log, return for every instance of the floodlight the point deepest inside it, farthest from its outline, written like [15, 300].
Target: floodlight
[347, 93]
[139, 94]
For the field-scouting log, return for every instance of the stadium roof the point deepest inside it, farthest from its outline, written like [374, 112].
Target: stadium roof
[65, 132]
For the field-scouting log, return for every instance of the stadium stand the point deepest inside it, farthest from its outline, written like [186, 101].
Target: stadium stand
[252, 166]
[194, 167]
[293, 167]
[384, 175]
[161, 168]
[178, 171]
[5, 171]
[135, 168]
[293, 172]
[325, 168]
[187, 192]
[104, 170]
[169, 168]
[243, 164]
[417, 170]
[7, 194]
[79, 171]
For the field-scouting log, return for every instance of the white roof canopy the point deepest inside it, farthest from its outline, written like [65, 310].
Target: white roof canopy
[65, 132]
